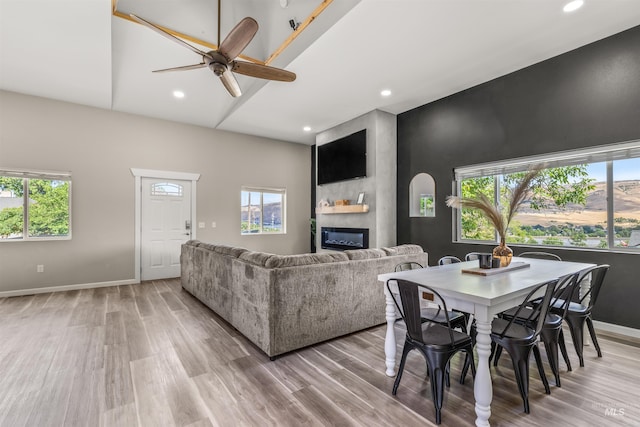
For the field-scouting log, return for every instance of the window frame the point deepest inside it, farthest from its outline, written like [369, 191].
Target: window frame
[607, 154]
[262, 190]
[27, 175]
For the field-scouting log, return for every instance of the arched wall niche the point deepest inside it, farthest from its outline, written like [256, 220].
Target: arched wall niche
[422, 196]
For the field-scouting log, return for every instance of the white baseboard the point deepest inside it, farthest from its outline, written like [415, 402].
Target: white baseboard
[21, 292]
[617, 329]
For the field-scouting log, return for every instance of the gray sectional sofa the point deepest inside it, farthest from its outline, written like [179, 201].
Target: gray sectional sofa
[285, 302]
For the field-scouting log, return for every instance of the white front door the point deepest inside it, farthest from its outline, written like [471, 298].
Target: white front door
[165, 226]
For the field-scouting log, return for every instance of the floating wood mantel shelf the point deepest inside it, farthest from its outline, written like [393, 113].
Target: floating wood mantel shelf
[347, 209]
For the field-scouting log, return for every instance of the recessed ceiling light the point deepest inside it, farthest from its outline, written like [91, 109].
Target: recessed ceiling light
[573, 5]
[178, 94]
[307, 128]
[385, 92]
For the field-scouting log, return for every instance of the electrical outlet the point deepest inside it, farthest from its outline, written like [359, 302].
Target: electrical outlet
[201, 225]
[40, 268]
[213, 225]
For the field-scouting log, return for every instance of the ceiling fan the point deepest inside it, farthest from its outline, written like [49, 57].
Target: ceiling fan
[223, 61]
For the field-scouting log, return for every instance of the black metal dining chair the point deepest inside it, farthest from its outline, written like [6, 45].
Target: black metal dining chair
[551, 334]
[472, 256]
[579, 309]
[436, 342]
[410, 265]
[519, 339]
[540, 255]
[449, 259]
[436, 314]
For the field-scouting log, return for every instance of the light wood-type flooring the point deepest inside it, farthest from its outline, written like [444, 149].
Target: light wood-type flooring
[152, 355]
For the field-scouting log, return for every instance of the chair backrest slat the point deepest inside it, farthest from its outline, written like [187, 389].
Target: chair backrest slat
[411, 305]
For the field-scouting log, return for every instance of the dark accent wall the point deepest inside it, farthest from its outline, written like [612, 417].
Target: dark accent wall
[586, 97]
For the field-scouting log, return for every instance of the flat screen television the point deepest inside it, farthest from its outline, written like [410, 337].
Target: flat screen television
[343, 159]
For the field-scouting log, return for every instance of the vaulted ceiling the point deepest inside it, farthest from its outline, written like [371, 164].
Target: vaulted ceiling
[344, 53]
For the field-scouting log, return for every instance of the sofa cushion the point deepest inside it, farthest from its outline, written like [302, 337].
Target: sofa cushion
[207, 246]
[255, 258]
[403, 250]
[356, 254]
[229, 250]
[281, 261]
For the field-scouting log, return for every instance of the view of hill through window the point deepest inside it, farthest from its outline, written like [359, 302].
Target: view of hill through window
[568, 207]
[261, 211]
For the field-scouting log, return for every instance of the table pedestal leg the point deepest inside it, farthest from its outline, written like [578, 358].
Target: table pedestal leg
[390, 337]
[482, 384]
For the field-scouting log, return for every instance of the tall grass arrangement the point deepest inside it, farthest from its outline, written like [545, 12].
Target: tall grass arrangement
[493, 212]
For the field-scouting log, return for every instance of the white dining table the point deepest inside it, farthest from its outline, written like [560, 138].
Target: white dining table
[482, 296]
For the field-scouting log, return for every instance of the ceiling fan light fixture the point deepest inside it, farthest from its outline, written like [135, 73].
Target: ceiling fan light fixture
[572, 6]
[218, 68]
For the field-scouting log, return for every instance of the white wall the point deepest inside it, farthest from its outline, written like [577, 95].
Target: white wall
[99, 147]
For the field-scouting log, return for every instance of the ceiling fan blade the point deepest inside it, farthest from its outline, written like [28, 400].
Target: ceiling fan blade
[230, 83]
[162, 32]
[238, 38]
[183, 68]
[262, 71]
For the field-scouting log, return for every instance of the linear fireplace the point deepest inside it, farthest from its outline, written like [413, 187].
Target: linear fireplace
[339, 239]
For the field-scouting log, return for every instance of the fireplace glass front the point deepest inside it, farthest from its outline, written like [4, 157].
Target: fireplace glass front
[340, 239]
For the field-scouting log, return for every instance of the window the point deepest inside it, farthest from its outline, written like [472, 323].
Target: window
[584, 199]
[262, 211]
[626, 203]
[166, 189]
[34, 205]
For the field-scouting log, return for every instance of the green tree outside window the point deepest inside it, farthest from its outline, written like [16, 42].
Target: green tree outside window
[47, 211]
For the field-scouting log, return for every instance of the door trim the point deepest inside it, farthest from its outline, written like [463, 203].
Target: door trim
[150, 173]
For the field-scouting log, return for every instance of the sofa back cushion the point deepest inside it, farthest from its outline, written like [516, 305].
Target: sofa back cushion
[357, 254]
[283, 261]
[232, 251]
[255, 258]
[403, 250]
